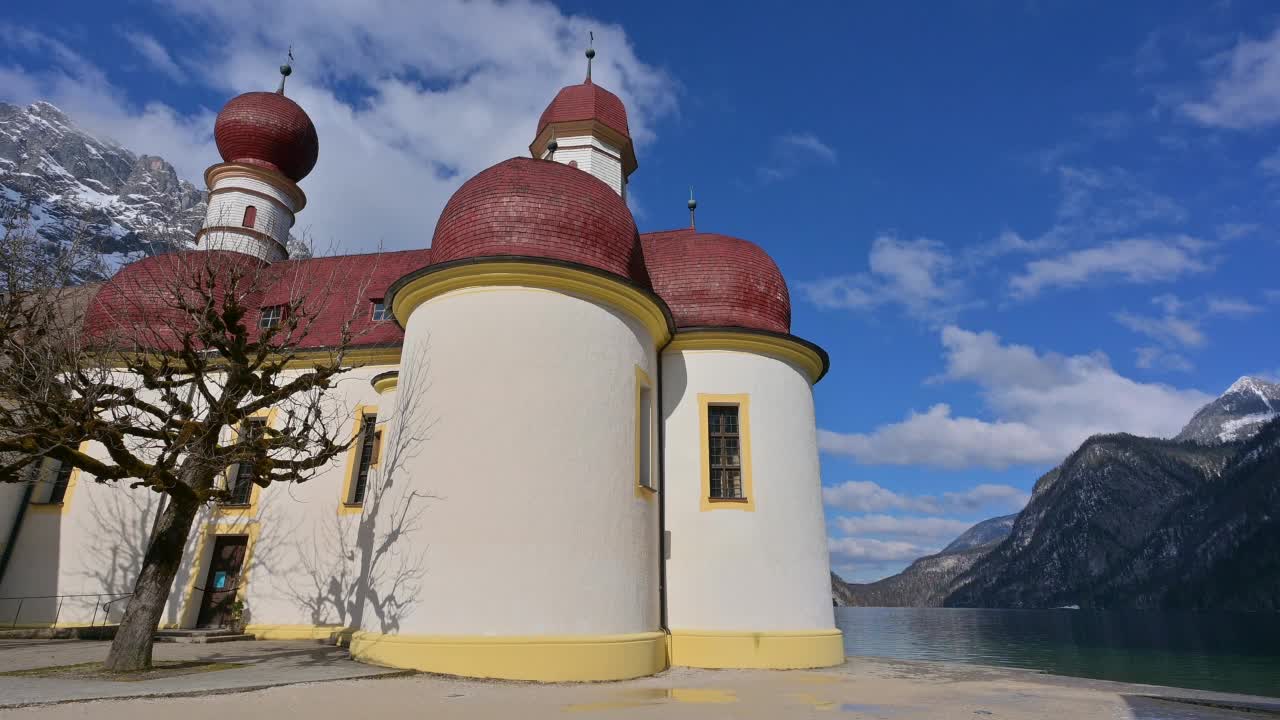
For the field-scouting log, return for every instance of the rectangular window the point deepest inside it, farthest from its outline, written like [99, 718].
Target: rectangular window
[380, 311]
[370, 440]
[240, 485]
[724, 452]
[250, 216]
[271, 317]
[51, 478]
[646, 438]
[60, 481]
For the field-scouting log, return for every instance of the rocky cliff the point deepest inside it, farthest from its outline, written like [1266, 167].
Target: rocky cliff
[71, 186]
[1140, 522]
[1126, 521]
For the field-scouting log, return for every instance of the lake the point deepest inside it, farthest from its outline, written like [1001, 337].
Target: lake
[1208, 651]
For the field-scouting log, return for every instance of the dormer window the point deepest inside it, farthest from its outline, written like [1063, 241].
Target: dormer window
[250, 216]
[380, 311]
[271, 317]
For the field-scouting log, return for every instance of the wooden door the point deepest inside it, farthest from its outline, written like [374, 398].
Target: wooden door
[223, 581]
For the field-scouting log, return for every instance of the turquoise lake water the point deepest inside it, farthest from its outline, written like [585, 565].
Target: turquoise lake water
[1229, 652]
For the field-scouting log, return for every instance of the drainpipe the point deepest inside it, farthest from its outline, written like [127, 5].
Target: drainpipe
[662, 495]
[17, 528]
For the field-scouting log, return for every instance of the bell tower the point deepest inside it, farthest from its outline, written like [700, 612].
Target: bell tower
[586, 126]
[268, 144]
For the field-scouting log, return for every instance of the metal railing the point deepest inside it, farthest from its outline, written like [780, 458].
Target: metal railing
[97, 605]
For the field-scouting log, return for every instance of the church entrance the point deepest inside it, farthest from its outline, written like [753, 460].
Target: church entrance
[223, 581]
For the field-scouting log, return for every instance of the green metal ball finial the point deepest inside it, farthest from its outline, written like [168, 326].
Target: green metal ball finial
[591, 54]
[286, 70]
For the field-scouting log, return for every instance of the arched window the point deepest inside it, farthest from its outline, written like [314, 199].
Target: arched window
[250, 216]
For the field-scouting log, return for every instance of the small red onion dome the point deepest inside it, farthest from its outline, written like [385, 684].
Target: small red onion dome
[543, 209]
[269, 130]
[711, 280]
[587, 101]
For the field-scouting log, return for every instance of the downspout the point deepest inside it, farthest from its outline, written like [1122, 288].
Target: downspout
[663, 545]
[17, 528]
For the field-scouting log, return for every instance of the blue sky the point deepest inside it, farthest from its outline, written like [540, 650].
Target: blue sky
[1011, 224]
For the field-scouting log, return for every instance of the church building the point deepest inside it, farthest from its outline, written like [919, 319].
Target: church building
[579, 451]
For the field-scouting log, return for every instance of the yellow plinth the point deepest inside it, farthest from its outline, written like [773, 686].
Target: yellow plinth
[778, 650]
[544, 658]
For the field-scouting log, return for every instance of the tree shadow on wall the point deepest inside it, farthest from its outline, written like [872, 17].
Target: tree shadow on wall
[119, 527]
[368, 563]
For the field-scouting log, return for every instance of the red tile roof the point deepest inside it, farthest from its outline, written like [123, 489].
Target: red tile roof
[539, 208]
[717, 281]
[587, 101]
[268, 130]
[133, 307]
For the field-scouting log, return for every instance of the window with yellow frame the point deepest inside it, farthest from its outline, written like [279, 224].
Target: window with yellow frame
[725, 424]
[646, 470]
[362, 458]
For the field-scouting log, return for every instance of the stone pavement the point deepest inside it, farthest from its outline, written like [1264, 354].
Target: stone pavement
[265, 664]
[861, 688]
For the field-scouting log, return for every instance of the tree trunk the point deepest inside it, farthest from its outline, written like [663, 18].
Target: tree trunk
[131, 648]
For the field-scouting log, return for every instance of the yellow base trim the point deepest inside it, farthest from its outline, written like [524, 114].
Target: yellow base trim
[613, 292]
[545, 658]
[775, 650]
[789, 351]
[298, 632]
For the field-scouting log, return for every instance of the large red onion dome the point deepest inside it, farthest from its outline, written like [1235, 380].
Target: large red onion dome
[587, 101]
[711, 280]
[269, 130]
[542, 209]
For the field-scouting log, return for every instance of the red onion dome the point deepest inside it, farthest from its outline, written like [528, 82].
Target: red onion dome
[268, 130]
[711, 280]
[587, 101]
[543, 209]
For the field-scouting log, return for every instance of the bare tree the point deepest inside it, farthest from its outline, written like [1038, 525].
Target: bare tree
[157, 390]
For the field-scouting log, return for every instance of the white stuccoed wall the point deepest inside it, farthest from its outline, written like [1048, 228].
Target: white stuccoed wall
[226, 209]
[594, 156]
[305, 560]
[533, 524]
[732, 570]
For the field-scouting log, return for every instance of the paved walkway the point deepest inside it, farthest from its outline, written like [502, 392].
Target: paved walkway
[265, 664]
[862, 688]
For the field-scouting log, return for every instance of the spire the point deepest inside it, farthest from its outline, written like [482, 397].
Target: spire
[591, 55]
[285, 71]
[693, 208]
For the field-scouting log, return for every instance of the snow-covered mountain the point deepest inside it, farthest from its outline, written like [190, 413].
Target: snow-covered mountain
[122, 204]
[1237, 414]
[984, 533]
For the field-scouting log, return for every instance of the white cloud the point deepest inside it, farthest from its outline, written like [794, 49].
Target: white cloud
[409, 99]
[1167, 328]
[848, 550]
[154, 53]
[1231, 306]
[1270, 164]
[1135, 260]
[933, 528]
[1044, 405]
[868, 497]
[1151, 357]
[1180, 325]
[1245, 89]
[917, 275]
[808, 142]
[792, 152]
